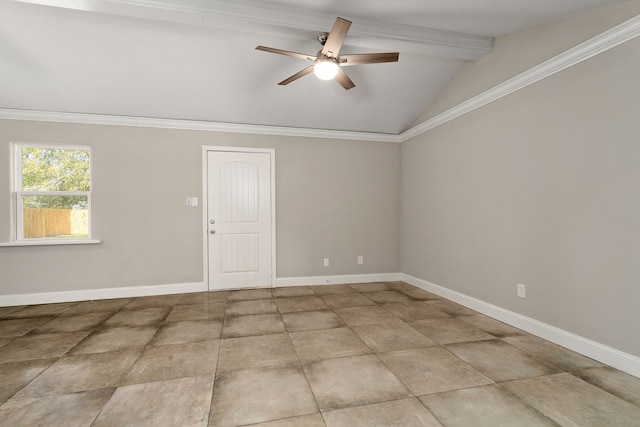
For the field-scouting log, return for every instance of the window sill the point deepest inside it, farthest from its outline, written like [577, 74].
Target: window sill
[51, 242]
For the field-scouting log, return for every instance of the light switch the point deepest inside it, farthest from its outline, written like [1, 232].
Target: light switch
[192, 201]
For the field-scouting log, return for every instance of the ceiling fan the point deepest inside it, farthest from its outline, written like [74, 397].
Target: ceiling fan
[327, 64]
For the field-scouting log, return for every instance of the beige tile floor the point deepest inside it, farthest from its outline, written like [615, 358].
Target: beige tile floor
[379, 354]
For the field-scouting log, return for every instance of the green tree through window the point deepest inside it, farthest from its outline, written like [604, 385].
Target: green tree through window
[53, 191]
[54, 169]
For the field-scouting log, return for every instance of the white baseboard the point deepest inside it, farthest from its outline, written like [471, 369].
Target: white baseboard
[595, 350]
[177, 288]
[98, 294]
[333, 280]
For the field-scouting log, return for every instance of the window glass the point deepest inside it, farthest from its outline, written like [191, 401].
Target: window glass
[53, 192]
[55, 216]
[55, 169]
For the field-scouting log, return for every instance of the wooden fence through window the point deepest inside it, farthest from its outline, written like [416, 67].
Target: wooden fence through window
[41, 222]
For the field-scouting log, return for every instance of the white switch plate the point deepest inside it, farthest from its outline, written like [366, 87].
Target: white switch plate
[360, 259]
[326, 262]
[521, 290]
[192, 201]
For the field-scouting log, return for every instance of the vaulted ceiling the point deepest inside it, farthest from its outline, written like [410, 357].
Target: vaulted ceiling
[196, 59]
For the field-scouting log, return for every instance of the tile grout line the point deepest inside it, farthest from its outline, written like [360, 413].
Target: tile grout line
[215, 373]
[415, 397]
[374, 353]
[300, 365]
[58, 358]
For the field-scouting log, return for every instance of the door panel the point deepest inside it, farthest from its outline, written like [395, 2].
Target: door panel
[239, 252]
[239, 218]
[239, 192]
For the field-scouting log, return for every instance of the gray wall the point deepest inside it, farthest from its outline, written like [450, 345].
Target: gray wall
[336, 199]
[542, 188]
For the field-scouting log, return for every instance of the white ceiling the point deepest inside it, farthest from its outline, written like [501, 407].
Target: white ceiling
[196, 59]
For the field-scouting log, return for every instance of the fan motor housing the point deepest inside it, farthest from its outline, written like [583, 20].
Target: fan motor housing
[322, 37]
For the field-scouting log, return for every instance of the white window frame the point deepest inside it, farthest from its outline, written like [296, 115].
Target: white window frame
[18, 194]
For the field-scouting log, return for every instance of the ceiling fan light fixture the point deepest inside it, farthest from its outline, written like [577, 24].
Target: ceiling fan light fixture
[328, 63]
[325, 69]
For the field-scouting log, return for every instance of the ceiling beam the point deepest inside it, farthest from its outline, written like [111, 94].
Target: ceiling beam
[223, 14]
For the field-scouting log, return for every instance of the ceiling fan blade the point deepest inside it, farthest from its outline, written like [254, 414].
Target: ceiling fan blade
[287, 53]
[297, 75]
[368, 58]
[336, 37]
[344, 80]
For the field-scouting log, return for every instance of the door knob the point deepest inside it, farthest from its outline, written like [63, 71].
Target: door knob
[212, 221]
[212, 232]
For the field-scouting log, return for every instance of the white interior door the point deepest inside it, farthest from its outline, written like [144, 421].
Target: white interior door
[239, 219]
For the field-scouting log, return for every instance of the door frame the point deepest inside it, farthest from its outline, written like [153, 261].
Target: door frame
[205, 204]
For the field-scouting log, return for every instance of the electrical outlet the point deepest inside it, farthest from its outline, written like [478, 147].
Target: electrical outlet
[522, 291]
[360, 259]
[326, 262]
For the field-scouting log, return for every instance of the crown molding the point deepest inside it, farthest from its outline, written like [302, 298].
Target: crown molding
[609, 39]
[146, 122]
[271, 20]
